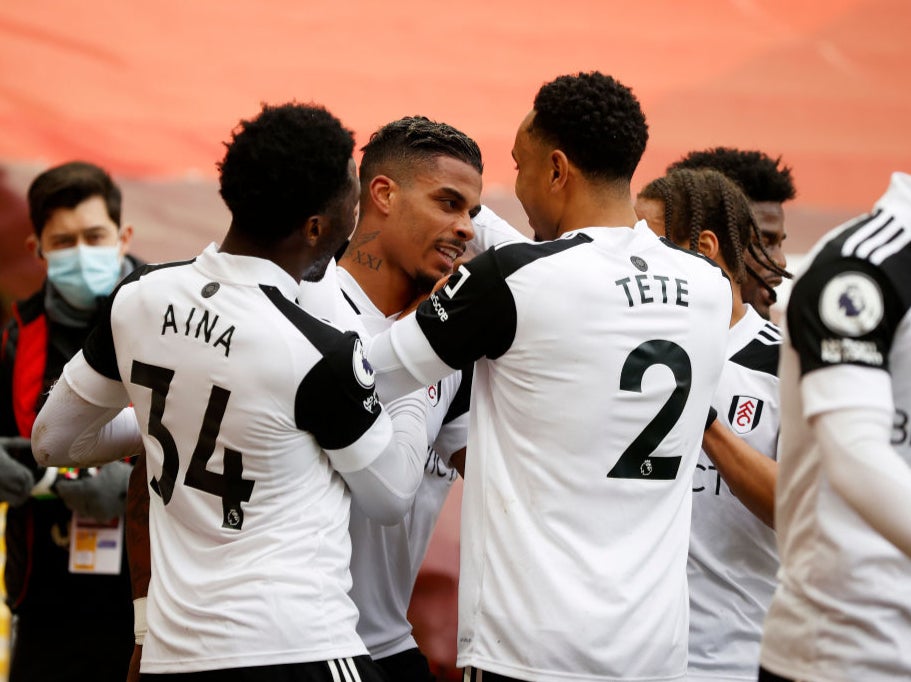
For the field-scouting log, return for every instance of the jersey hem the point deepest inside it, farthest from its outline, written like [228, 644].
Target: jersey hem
[500, 668]
[247, 661]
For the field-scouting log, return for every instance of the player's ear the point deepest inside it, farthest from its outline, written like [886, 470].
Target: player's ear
[382, 192]
[708, 245]
[313, 230]
[559, 169]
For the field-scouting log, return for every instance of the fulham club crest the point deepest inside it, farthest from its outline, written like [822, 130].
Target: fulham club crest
[744, 413]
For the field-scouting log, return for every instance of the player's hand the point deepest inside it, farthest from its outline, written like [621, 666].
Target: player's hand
[411, 307]
[16, 480]
[101, 497]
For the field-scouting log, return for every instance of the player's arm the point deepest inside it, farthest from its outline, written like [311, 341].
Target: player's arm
[491, 230]
[83, 422]
[472, 316]
[379, 452]
[138, 556]
[866, 471]
[749, 474]
[848, 396]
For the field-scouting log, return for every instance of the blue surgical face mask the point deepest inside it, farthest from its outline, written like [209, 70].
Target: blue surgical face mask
[83, 273]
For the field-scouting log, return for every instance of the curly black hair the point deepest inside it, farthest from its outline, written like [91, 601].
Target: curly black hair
[288, 163]
[595, 120]
[704, 199]
[414, 140]
[761, 177]
[67, 186]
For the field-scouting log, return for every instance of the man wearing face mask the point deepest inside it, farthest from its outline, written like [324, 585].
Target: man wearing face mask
[64, 576]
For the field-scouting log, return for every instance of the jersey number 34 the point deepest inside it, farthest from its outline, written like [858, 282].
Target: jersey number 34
[230, 486]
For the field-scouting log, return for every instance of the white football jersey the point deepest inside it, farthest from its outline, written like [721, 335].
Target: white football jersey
[249, 408]
[733, 555]
[842, 610]
[598, 354]
[385, 559]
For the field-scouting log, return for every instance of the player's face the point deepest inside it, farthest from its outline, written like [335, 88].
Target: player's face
[533, 173]
[652, 212]
[338, 224]
[430, 213]
[770, 220]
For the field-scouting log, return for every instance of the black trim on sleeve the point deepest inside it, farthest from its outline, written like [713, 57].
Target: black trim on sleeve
[474, 315]
[462, 399]
[816, 343]
[336, 401]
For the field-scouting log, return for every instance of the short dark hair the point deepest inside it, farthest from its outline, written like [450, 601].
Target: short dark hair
[595, 120]
[67, 186]
[415, 140]
[761, 177]
[288, 163]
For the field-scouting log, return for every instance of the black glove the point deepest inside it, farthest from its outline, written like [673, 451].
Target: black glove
[101, 497]
[16, 480]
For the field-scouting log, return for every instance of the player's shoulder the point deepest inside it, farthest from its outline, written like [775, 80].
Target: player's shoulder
[760, 348]
[319, 333]
[506, 259]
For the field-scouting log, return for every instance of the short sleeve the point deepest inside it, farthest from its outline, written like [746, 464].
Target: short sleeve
[842, 313]
[473, 316]
[337, 400]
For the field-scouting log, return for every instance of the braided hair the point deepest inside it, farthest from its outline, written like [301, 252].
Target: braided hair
[697, 200]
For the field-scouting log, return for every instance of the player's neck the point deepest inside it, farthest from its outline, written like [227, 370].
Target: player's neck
[738, 308]
[597, 206]
[387, 287]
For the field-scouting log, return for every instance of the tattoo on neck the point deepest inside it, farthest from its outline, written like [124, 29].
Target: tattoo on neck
[361, 239]
[368, 260]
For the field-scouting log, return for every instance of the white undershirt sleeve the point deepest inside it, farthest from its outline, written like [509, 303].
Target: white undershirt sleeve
[71, 431]
[385, 488]
[866, 471]
[404, 360]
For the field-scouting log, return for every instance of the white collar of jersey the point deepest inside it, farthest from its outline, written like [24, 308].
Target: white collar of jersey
[610, 232]
[745, 328]
[245, 270]
[364, 303]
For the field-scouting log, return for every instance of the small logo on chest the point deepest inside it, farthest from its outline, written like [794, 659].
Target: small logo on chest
[744, 413]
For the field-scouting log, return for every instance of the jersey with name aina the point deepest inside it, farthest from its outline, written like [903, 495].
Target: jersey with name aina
[598, 354]
[249, 407]
[733, 555]
[385, 559]
[842, 610]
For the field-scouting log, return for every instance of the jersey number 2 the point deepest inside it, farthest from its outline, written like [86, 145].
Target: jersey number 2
[636, 461]
[230, 486]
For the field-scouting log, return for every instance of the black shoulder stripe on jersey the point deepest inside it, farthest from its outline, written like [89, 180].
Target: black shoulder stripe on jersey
[462, 399]
[320, 334]
[758, 356]
[705, 259]
[350, 302]
[514, 256]
[835, 244]
[772, 338]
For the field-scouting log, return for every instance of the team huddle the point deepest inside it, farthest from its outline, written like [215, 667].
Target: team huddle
[659, 483]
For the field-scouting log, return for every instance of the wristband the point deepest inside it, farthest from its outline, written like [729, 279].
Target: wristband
[139, 620]
[43, 489]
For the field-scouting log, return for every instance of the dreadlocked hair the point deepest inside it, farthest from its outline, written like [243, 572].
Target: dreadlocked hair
[697, 200]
